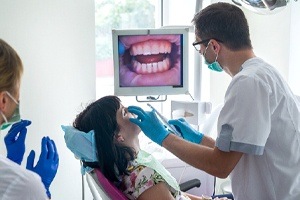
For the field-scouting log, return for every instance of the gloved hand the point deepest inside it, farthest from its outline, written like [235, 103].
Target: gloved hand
[15, 141]
[47, 164]
[149, 123]
[188, 132]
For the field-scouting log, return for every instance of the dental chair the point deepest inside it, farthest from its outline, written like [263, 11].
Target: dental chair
[102, 189]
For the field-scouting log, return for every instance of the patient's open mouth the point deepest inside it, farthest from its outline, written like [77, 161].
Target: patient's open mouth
[150, 60]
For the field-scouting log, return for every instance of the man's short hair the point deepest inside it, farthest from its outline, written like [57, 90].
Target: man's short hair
[224, 22]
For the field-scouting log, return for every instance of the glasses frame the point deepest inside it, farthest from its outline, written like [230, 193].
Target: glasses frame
[203, 42]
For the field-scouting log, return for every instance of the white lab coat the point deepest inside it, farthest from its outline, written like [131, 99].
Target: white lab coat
[261, 118]
[19, 183]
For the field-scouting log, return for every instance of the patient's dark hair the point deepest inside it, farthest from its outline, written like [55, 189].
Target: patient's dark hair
[100, 116]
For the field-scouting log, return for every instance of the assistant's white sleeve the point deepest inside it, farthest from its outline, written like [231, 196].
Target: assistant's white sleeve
[18, 183]
[245, 121]
[25, 188]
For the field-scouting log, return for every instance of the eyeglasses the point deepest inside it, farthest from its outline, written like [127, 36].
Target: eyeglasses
[197, 45]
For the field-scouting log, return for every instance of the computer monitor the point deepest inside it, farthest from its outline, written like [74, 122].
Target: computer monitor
[150, 61]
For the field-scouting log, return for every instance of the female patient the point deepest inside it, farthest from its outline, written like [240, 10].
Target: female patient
[119, 155]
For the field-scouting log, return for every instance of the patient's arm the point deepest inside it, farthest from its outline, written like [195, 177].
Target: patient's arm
[158, 191]
[193, 197]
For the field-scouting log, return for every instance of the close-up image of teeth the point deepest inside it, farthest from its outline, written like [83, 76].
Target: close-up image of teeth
[150, 60]
[150, 56]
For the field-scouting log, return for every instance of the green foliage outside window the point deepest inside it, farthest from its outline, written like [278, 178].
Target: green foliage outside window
[119, 14]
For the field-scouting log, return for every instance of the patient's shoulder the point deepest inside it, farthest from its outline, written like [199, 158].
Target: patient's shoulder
[140, 179]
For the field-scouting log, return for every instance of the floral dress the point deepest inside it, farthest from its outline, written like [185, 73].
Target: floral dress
[140, 179]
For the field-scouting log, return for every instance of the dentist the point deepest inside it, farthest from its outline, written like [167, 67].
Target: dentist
[258, 141]
[15, 181]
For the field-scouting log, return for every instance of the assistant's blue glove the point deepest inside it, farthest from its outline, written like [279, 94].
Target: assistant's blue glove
[188, 132]
[15, 141]
[47, 164]
[149, 123]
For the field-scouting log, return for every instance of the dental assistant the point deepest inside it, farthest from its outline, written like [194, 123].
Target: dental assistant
[258, 143]
[15, 181]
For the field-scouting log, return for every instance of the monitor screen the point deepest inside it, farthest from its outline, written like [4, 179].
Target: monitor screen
[150, 61]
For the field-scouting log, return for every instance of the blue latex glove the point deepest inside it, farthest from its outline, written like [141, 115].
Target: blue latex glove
[15, 141]
[188, 132]
[47, 164]
[149, 123]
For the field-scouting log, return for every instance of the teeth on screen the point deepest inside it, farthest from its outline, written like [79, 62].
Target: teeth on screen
[149, 68]
[154, 67]
[150, 47]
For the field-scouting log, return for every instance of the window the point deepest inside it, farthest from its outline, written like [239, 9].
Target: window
[118, 14]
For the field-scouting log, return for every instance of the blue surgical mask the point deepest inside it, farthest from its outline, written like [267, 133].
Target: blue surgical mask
[214, 66]
[16, 117]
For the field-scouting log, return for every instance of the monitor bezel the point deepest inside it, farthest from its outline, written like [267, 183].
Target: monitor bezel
[151, 90]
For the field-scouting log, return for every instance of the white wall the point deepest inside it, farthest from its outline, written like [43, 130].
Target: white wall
[294, 47]
[270, 36]
[56, 41]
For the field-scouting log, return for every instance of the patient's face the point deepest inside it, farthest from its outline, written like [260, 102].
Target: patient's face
[125, 125]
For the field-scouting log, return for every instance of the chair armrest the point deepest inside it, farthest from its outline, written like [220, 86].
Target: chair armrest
[189, 184]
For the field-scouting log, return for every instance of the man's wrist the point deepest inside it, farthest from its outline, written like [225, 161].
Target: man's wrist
[200, 137]
[169, 140]
[164, 137]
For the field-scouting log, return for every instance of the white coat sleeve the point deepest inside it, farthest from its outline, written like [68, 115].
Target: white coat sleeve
[245, 121]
